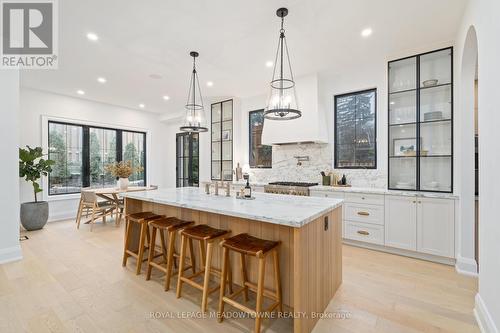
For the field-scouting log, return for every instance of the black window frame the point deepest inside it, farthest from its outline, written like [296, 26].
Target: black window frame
[353, 93]
[180, 155]
[250, 142]
[86, 150]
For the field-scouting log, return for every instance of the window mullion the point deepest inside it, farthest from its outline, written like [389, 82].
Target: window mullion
[86, 156]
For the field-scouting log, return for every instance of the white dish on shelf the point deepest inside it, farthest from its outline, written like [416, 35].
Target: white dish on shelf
[430, 83]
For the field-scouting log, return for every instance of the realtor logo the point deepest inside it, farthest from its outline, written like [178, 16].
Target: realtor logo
[29, 34]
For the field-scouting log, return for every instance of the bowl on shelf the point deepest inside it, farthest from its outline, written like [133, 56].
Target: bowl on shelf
[430, 83]
[433, 115]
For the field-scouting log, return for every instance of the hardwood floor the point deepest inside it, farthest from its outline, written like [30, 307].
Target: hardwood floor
[72, 281]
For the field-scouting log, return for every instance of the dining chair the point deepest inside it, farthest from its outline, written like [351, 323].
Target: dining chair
[98, 209]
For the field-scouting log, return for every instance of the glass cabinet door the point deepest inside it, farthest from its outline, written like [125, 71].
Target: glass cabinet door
[421, 122]
[403, 124]
[222, 141]
[436, 121]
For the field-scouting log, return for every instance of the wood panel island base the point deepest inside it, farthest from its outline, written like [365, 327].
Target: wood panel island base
[309, 230]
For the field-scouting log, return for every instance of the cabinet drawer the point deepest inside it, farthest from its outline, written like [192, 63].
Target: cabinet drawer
[371, 199]
[324, 194]
[364, 213]
[364, 232]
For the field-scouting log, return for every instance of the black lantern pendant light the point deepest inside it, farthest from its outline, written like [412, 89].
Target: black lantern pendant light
[194, 121]
[282, 103]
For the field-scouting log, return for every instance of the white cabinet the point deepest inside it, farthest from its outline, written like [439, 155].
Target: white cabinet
[401, 222]
[425, 225]
[436, 226]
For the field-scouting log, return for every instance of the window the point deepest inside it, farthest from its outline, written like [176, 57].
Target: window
[133, 144]
[355, 130]
[222, 140]
[82, 153]
[66, 175]
[187, 159]
[260, 155]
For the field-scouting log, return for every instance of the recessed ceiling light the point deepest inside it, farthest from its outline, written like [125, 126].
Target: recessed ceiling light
[210, 83]
[80, 92]
[101, 80]
[366, 32]
[92, 36]
[166, 97]
[142, 106]
[269, 64]
[392, 103]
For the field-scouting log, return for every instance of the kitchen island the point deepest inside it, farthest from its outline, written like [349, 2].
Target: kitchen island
[309, 230]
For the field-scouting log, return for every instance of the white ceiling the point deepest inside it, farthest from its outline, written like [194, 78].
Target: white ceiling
[235, 38]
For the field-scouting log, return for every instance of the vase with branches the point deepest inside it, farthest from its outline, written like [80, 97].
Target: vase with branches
[122, 170]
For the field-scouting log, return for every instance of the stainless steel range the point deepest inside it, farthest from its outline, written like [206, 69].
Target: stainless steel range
[292, 188]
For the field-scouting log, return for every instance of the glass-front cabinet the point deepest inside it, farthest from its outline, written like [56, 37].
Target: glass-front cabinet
[421, 122]
[222, 140]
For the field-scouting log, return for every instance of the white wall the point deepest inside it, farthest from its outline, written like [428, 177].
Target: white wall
[36, 104]
[9, 168]
[483, 16]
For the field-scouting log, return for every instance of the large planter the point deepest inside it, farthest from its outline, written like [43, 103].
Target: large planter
[123, 183]
[34, 215]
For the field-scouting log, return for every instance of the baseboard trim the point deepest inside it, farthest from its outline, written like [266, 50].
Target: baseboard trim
[466, 266]
[400, 252]
[483, 317]
[10, 254]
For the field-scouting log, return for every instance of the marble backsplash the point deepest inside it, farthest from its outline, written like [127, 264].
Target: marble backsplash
[285, 167]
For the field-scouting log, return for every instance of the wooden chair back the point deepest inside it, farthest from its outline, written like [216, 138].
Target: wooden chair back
[89, 197]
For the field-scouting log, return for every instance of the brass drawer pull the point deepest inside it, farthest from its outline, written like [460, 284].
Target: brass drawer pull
[363, 213]
[364, 233]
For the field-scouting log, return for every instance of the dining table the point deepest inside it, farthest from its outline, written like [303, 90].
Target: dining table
[113, 194]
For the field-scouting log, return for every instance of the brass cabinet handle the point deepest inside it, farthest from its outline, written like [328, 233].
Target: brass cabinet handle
[364, 233]
[363, 213]
[414, 201]
[419, 201]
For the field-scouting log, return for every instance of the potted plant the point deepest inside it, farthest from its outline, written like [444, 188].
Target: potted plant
[122, 170]
[32, 166]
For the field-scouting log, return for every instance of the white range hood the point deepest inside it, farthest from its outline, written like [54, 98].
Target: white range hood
[311, 127]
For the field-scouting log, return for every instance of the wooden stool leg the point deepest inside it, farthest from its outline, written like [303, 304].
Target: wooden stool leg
[181, 265]
[191, 256]
[207, 277]
[170, 258]
[163, 246]
[260, 292]
[277, 279]
[244, 278]
[229, 276]
[203, 255]
[142, 241]
[225, 259]
[151, 254]
[127, 242]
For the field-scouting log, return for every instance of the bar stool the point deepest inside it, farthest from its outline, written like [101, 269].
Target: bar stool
[171, 225]
[205, 235]
[142, 219]
[259, 248]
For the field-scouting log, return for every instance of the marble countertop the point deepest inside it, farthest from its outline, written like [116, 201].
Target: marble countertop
[374, 190]
[293, 211]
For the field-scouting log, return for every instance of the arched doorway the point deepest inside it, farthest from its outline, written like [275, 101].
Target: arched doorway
[469, 85]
